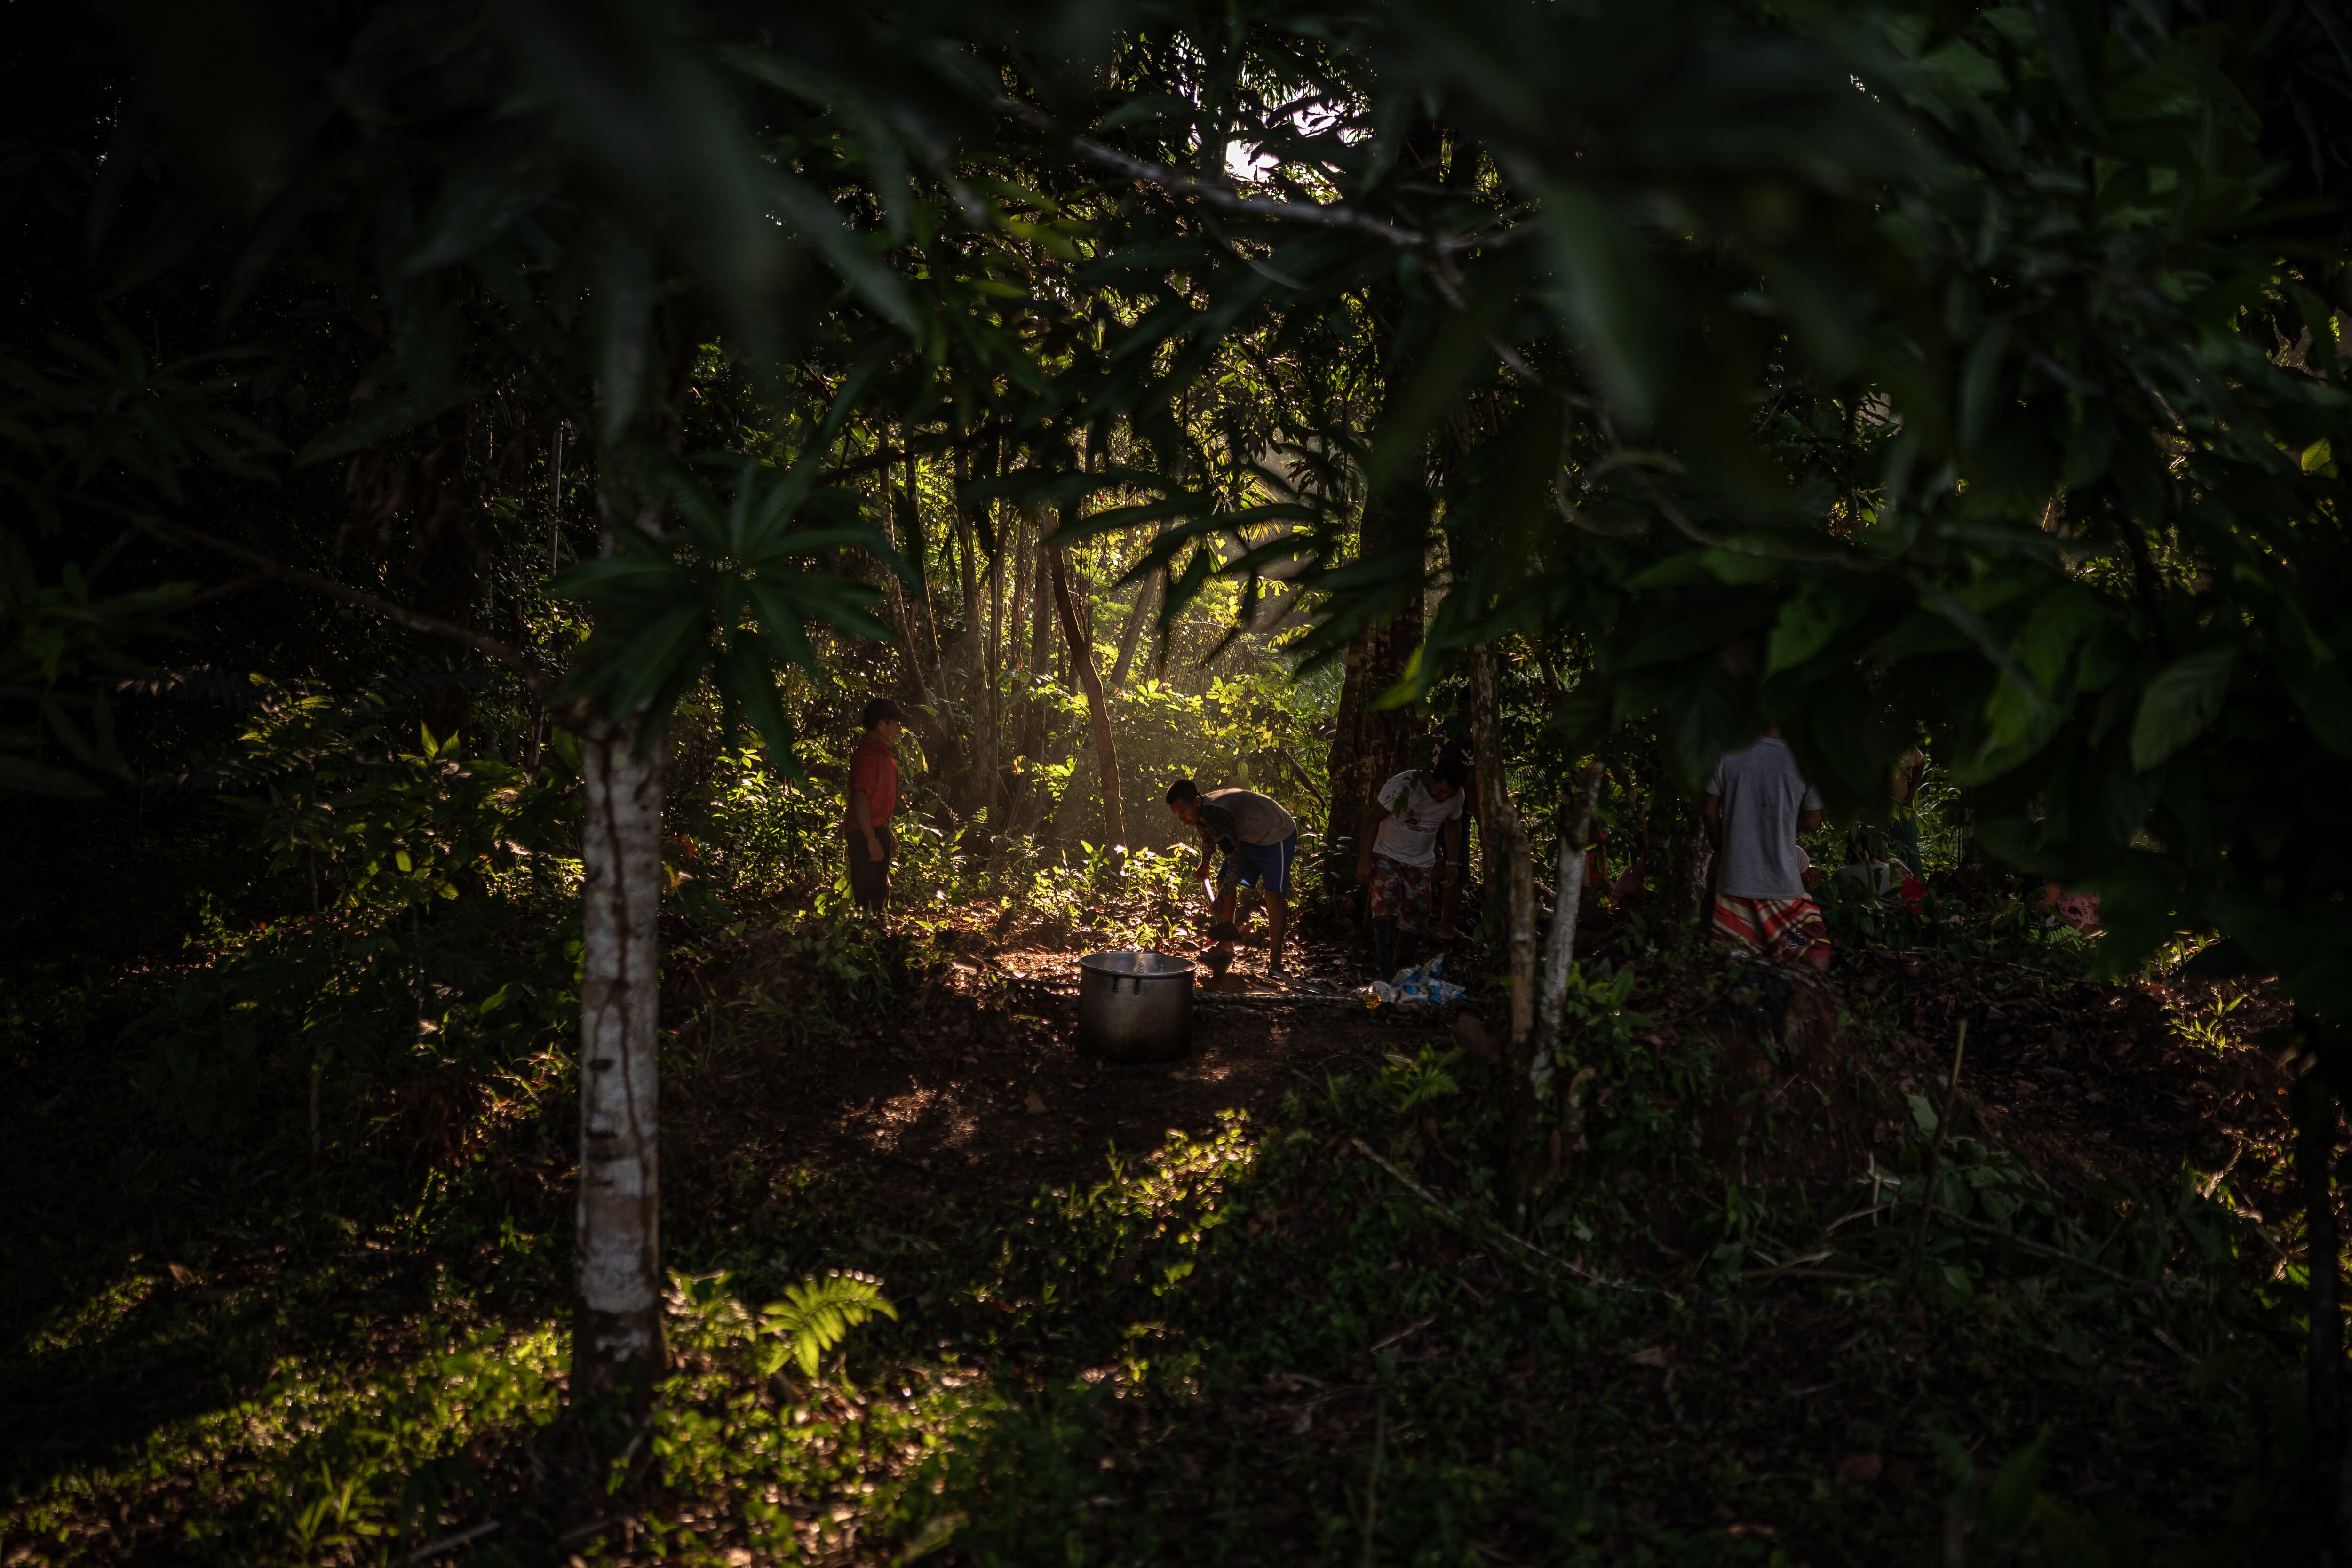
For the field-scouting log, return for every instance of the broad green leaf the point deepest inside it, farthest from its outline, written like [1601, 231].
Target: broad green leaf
[1688, 570]
[35, 778]
[2058, 626]
[2185, 697]
[1741, 567]
[1813, 615]
[1611, 301]
[2009, 1501]
[2325, 697]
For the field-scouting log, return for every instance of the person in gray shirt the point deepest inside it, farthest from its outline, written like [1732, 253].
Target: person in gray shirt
[1757, 802]
[1260, 840]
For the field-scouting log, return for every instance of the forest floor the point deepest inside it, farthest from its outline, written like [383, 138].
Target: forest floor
[1244, 1307]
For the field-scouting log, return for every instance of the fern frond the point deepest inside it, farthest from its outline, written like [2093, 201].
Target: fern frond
[818, 1313]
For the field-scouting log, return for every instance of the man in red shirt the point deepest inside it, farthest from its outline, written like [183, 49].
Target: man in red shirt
[872, 800]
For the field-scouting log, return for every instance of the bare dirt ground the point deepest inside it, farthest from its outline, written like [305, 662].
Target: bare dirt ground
[971, 1087]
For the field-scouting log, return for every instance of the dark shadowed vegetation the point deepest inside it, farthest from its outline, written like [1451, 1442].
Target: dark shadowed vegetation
[465, 467]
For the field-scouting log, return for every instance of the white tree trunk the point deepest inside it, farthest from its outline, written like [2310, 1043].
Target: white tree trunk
[616, 1347]
[1561, 953]
[1556, 961]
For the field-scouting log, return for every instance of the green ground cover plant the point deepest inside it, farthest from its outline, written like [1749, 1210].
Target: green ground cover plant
[1298, 1335]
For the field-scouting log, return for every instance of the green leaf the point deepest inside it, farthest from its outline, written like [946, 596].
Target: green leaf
[35, 778]
[382, 419]
[1741, 567]
[1813, 617]
[818, 1313]
[2184, 699]
[812, 217]
[2009, 1501]
[1611, 301]
[664, 652]
[2321, 690]
[1687, 570]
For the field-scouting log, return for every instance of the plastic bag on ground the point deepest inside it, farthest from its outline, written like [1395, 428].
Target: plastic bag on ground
[1427, 984]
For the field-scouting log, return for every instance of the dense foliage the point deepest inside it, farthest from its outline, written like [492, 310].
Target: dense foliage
[411, 412]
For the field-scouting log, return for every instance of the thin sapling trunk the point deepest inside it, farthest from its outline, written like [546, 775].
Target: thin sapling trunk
[1082, 663]
[1508, 857]
[2314, 1159]
[616, 1347]
[1561, 954]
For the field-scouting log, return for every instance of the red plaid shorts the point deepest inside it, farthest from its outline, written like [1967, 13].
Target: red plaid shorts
[1786, 929]
[1401, 893]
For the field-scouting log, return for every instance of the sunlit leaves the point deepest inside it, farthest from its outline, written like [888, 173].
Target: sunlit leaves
[817, 1315]
[730, 591]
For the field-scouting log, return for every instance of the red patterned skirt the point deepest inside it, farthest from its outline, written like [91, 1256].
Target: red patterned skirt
[1785, 929]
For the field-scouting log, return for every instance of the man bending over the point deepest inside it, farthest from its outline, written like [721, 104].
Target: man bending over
[1259, 839]
[1757, 804]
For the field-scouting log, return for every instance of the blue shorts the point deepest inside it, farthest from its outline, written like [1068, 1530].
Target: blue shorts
[1263, 866]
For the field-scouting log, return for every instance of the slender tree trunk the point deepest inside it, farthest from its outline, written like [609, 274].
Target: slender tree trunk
[903, 621]
[1036, 720]
[1551, 1007]
[920, 556]
[2315, 1158]
[967, 637]
[616, 1347]
[1370, 744]
[1016, 730]
[963, 670]
[943, 741]
[1024, 558]
[1043, 640]
[1972, 872]
[993, 671]
[1041, 609]
[967, 568]
[1509, 859]
[1130, 636]
[1082, 662]
[1690, 883]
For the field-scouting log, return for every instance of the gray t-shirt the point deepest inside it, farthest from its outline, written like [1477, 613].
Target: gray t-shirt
[1244, 816]
[1763, 794]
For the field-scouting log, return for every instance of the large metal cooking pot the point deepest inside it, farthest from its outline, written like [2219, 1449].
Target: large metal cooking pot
[1135, 1007]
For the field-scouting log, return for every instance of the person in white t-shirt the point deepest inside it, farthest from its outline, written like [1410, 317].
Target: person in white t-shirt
[1398, 853]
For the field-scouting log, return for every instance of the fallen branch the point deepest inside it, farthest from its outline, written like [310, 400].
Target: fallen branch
[1858, 1214]
[1479, 1231]
[590, 1530]
[1799, 1271]
[2058, 1252]
[451, 1542]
